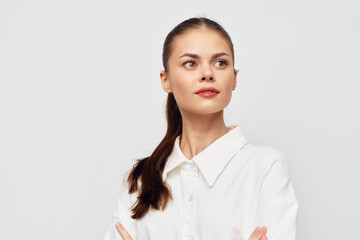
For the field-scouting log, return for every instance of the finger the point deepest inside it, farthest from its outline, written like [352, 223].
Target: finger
[255, 235]
[264, 230]
[124, 234]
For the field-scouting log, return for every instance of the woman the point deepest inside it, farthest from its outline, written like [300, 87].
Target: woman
[204, 180]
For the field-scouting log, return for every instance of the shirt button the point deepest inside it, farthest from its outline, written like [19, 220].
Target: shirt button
[192, 165]
[191, 237]
[190, 197]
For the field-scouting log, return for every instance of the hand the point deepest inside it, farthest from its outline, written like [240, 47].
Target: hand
[124, 234]
[259, 234]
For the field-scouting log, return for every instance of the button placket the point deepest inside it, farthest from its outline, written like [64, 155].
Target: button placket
[191, 181]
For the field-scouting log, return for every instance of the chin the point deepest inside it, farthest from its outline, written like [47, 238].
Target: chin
[205, 110]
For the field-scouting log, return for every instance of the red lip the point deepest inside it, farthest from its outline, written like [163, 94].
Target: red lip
[207, 89]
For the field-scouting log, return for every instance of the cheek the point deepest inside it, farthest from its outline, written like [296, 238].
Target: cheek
[183, 83]
[227, 79]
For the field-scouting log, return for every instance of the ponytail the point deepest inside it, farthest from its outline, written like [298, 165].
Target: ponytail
[153, 191]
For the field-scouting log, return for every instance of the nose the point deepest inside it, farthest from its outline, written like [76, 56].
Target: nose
[207, 74]
[204, 78]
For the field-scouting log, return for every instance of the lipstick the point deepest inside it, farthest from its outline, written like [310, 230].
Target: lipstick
[207, 92]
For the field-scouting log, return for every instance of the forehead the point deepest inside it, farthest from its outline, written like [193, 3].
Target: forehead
[201, 41]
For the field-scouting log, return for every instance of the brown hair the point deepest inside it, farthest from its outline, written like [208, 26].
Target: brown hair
[146, 175]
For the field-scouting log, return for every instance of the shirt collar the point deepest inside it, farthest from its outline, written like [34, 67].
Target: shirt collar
[214, 158]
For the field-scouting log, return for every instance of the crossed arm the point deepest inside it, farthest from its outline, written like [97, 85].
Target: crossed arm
[258, 234]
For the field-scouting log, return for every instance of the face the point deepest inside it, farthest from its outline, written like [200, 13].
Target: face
[200, 58]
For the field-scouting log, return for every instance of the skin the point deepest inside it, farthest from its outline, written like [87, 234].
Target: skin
[202, 118]
[200, 58]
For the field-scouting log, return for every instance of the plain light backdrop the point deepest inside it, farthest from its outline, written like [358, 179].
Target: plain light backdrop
[81, 100]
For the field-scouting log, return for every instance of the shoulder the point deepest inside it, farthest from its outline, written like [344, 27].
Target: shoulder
[123, 213]
[263, 157]
[266, 153]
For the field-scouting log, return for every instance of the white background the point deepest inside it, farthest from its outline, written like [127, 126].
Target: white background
[80, 100]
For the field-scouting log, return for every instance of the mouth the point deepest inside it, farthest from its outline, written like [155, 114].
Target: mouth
[207, 90]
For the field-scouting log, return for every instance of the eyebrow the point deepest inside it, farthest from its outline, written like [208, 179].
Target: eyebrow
[216, 55]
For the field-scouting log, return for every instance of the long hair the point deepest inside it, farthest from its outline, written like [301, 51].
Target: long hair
[145, 178]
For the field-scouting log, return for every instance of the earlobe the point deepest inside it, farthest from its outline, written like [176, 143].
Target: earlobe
[165, 83]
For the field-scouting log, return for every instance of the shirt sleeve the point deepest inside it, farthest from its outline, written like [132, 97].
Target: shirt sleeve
[277, 205]
[122, 214]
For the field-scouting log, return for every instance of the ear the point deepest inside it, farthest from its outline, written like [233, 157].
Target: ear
[235, 79]
[165, 82]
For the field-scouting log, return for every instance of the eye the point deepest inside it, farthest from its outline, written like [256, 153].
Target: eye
[190, 64]
[220, 63]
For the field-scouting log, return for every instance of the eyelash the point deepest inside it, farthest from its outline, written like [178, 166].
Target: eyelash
[220, 60]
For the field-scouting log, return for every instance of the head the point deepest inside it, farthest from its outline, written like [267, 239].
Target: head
[198, 53]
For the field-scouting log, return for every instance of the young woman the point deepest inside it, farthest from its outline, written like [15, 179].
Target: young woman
[204, 180]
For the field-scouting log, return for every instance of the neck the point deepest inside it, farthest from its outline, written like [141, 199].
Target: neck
[199, 131]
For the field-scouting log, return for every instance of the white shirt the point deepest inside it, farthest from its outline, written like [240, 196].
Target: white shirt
[223, 192]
